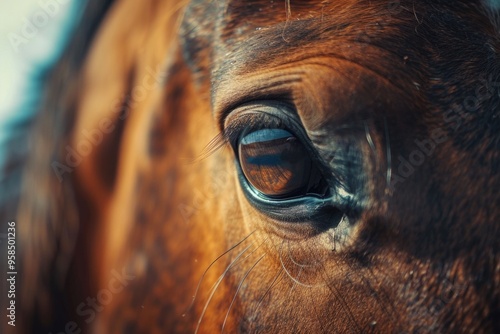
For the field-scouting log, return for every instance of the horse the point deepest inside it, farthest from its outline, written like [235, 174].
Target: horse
[267, 166]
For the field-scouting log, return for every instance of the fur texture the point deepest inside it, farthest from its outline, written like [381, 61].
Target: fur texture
[409, 91]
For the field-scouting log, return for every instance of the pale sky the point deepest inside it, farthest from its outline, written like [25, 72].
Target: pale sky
[32, 36]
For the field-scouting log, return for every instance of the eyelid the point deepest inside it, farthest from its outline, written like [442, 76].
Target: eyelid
[259, 115]
[263, 114]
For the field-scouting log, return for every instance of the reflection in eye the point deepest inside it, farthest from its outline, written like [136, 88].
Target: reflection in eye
[278, 165]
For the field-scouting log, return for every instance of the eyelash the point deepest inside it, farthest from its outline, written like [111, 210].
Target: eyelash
[252, 120]
[245, 122]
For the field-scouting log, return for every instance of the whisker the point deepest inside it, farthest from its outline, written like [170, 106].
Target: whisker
[275, 280]
[379, 296]
[234, 263]
[334, 290]
[288, 273]
[211, 264]
[370, 141]
[216, 285]
[388, 153]
[382, 296]
[343, 303]
[315, 311]
[238, 289]
[288, 10]
[294, 284]
[296, 263]
[221, 277]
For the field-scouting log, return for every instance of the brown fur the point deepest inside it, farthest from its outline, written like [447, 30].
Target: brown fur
[422, 254]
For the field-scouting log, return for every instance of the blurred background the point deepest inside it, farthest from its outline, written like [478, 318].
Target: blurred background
[33, 34]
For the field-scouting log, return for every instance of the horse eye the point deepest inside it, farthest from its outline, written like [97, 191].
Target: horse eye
[277, 164]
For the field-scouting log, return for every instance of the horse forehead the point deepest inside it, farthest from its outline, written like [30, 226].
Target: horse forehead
[226, 22]
[267, 12]
[294, 21]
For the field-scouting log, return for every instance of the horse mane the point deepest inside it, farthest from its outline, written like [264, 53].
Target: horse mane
[45, 207]
[59, 208]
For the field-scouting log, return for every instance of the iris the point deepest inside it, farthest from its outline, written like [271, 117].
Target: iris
[278, 165]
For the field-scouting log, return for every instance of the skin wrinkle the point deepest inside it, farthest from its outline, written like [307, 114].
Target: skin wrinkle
[312, 134]
[291, 64]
